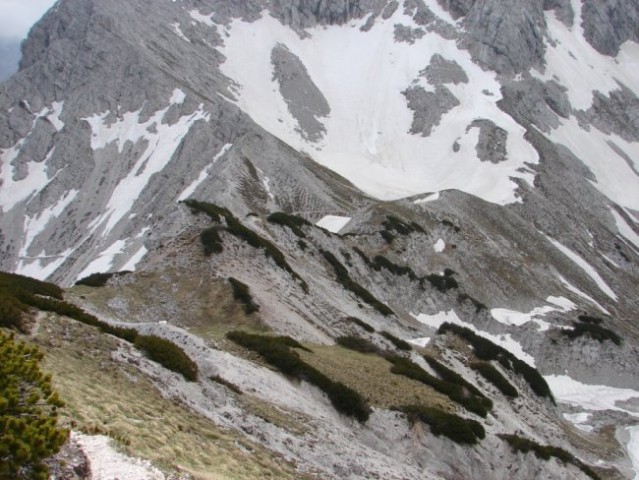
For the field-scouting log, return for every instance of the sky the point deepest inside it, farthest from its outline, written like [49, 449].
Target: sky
[17, 16]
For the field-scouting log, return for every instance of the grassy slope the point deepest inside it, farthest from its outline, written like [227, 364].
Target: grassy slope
[106, 397]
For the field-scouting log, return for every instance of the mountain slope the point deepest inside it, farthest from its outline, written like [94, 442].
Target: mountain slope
[475, 161]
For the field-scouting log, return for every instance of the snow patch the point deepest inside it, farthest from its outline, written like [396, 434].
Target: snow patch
[578, 420]
[178, 31]
[586, 267]
[33, 226]
[633, 449]
[420, 342]
[624, 229]
[512, 317]
[333, 223]
[439, 246]
[583, 295]
[177, 97]
[104, 261]
[205, 19]
[14, 192]
[367, 132]
[135, 259]
[42, 266]
[590, 397]
[161, 142]
[430, 198]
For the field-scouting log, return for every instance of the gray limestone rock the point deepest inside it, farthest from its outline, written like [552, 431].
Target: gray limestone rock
[609, 23]
[407, 34]
[616, 113]
[491, 146]
[441, 71]
[304, 100]
[428, 107]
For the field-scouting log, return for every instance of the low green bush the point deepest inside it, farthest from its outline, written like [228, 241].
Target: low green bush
[546, 452]
[387, 236]
[484, 349]
[458, 429]
[214, 212]
[451, 376]
[167, 354]
[226, 383]
[357, 343]
[397, 342]
[293, 222]
[277, 352]
[242, 293]
[594, 331]
[495, 377]
[457, 393]
[394, 224]
[479, 306]
[590, 319]
[100, 279]
[211, 241]
[361, 323]
[380, 262]
[443, 283]
[348, 283]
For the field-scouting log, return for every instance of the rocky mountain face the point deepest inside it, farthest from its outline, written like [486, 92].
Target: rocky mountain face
[469, 162]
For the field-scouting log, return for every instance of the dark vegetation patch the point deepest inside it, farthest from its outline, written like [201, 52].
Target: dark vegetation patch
[211, 241]
[361, 323]
[444, 282]
[450, 224]
[545, 452]
[231, 386]
[495, 377]
[277, 352]
[590, 319]
[594, 331]
[397, 342]
[456, 392]
[237, 229]
[293, 222]
[100, 279]
[458, 429]
[349, 284]
[357, 343]
[24, 292]
[302, 244]
[451, 376]
[486, 350]
[479, 306]
[399, 227]
[167, 354]
[242, 293]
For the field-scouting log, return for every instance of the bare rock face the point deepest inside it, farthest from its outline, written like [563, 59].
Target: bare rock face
[428, 107]
[491, 146]
[609, 23]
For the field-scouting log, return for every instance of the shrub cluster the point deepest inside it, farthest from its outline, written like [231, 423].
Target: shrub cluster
[451, 376]
[493, 375]
[293, 222]
[357, 343]
[29, 431]
[167, 354]
[211, 241]
[457, 393]
[361, 324]
[443, 283]
[237, 229]
[349, 284]
[590, 319]
[487, 350]
[231, 386]
[100, 279]
[242, 294]
[398, 342]
[277, 352]
[458, 429]
[394, 224]
[479, 306]
[545, 452]
[450, 224]
[26, 292]
[594, 331]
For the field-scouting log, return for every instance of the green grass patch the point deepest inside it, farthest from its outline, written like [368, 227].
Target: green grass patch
[459, 429]
[277, 352]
